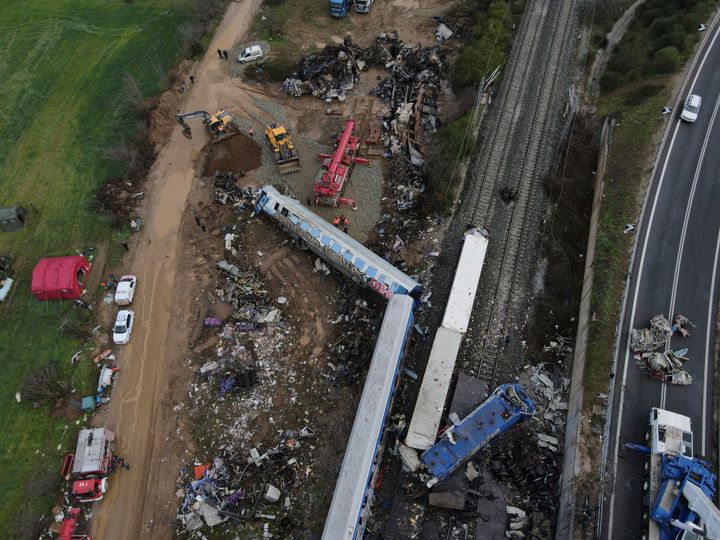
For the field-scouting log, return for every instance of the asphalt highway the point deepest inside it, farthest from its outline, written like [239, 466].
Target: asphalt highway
[674, 270]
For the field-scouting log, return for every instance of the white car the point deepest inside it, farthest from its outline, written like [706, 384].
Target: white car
[125, 290]
[251, 53]
[691, 108]
[123, 326]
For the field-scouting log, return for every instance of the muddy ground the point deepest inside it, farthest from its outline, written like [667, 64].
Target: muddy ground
[152, 411]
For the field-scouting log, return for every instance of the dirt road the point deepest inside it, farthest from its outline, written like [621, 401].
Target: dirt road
[141, 501]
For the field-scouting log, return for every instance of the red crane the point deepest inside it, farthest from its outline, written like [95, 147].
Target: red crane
[336, 169]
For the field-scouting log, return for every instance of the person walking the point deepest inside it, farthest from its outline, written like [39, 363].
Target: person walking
[251, 131]
[125, 245]
[192, 79]
[225, 54]
[220, 54]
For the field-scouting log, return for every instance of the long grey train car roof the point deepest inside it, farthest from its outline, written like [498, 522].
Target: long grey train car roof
[366, 264]
[347, 501]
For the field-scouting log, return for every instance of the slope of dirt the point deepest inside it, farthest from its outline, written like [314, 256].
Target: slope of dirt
[238, 154]
[140, 502]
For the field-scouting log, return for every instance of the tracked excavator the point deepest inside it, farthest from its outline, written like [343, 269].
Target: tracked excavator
[220, 125]
[285, 153]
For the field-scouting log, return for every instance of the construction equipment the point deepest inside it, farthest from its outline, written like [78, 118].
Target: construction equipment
[679, 488]
[336, 168]
[89, 466]
[287, 159]
[507, 406]
[220, 125]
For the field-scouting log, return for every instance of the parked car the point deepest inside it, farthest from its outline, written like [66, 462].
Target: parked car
[5, 285]
[125, 291]
[123, 326]
[253, 52]
[691, 108]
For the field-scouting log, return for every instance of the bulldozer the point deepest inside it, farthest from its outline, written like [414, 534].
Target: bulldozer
[220, 125]
[287, 159]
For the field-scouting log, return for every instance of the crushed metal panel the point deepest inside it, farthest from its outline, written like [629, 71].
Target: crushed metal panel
[433, 391]
[451, 493]
[443, 33]
[469, 393]
[210, 514]
[467, 276]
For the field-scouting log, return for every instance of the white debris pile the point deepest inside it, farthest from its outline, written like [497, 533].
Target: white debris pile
[649, 339]
[549, 397]
[666, 366]
[243, 403]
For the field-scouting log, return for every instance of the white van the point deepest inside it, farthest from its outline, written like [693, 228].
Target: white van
[251, 53]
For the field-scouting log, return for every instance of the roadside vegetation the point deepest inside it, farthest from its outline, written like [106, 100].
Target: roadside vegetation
[74, 76]
[638, 82]
[492, 25]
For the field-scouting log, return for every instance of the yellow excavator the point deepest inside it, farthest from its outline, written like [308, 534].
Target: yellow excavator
[287, 159]
[220, 125]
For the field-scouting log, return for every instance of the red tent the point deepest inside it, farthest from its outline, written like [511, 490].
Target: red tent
[59, 277]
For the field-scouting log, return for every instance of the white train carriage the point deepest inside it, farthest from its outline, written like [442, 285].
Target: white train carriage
[352, 499]
[343, 252]
[430, 404]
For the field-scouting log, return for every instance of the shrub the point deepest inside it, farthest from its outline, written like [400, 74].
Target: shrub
[485, 50]
[641, 94]
[610, 80]
[666, 60]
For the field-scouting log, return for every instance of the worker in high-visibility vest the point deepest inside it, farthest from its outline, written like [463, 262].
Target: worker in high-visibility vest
[336, 221]
[345, 224]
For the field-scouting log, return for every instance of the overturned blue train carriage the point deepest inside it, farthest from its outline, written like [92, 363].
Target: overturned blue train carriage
[334, 246]
[507, 406]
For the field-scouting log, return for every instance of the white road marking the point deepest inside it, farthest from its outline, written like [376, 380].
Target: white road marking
[637, 288]
[681, 248]
[632, 320]
[708, 353]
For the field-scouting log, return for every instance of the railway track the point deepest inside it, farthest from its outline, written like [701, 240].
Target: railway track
[512, 97]
[512, 228]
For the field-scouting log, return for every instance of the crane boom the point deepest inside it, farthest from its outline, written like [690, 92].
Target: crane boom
[703, 507]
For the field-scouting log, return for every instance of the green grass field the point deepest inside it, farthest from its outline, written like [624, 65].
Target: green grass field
[62, 72]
